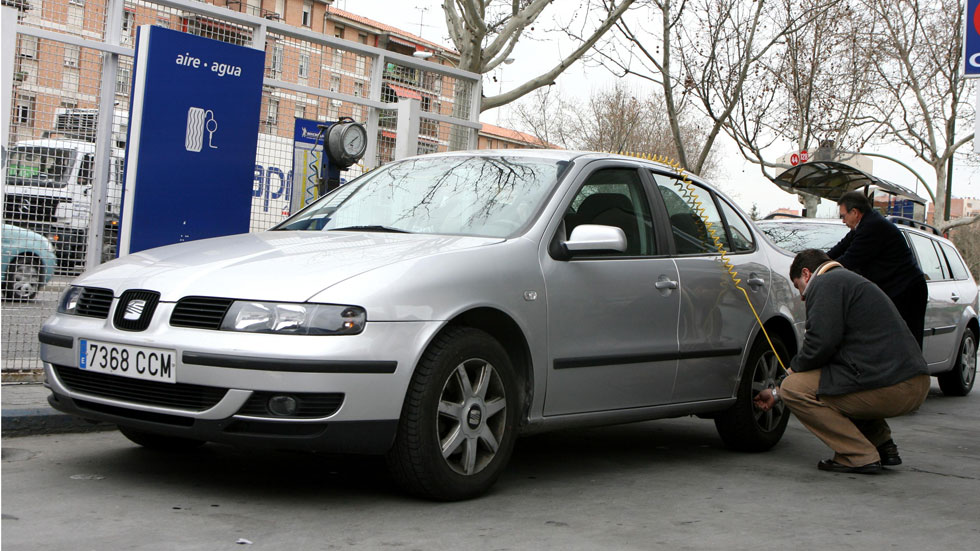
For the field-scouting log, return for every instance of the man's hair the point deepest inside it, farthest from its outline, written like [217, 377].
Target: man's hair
[811, 259]
[855, 200]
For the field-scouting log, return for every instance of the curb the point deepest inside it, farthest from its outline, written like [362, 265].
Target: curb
[37, 421]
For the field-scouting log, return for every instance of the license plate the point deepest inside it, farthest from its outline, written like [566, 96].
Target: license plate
[137, 362]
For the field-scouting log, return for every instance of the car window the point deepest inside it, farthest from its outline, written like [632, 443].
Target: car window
[739, 234]
[955, 262]
[687, 226]
[796, 236]
[484, 196]
[615, 197]
[929, 260]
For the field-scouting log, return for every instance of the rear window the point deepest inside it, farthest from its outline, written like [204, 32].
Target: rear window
[795, 237]
[955, 262]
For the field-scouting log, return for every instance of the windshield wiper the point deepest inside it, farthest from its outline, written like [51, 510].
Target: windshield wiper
[387, 229]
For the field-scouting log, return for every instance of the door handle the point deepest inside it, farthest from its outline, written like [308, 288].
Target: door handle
[665, 283]
[755, 280]
[955, 297]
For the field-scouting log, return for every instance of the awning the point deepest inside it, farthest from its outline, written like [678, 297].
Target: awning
[830, 180]
[403, 92]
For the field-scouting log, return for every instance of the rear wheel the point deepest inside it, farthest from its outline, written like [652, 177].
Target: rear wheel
[744, 427]
[959, 381]
[459, 420]
[159, 441]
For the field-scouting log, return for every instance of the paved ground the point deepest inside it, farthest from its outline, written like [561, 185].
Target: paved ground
[657, 485]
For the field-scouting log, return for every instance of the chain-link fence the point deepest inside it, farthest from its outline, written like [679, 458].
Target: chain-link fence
[73, 65]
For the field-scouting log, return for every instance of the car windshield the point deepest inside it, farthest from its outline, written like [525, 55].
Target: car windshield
[39, 166]
[796, 236]
[485, 196]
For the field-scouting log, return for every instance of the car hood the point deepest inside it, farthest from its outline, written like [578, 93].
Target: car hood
[289, 266]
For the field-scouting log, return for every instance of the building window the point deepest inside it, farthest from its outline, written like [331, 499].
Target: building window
[281, 9]
[362, 38]
[28, 46]
[338, 31]
[335, 83]
[128, 25]
[307, 13]
[300, 110]
[338, 58]
[24, 111]
[304, 65]
[272, 116]
[72, 54]
[123, 79]
[358, 89]
[275, 67]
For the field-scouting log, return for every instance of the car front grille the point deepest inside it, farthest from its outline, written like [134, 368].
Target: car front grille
[30, 209]
[200, 312]
[94, 302]
[178, 395]
[309, 405]
[135, 310]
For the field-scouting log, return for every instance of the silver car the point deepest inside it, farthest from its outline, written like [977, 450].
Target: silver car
[949, 340]
[434, 309]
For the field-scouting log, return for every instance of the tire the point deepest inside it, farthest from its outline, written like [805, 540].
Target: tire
[743, 427]
[959, 380]
[22, 280]
[160, 442]
[463, 398]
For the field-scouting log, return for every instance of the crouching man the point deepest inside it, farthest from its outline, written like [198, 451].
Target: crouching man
[858, 365]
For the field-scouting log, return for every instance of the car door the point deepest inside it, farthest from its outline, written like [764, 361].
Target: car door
[942, 311]
[612, 317]
[715, 320]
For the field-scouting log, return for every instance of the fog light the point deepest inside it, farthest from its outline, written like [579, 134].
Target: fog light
[283, 405]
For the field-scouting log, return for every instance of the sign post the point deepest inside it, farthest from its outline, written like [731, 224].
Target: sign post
[190, 153]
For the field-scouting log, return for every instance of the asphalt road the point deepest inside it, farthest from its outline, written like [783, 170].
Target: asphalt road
[656, 485]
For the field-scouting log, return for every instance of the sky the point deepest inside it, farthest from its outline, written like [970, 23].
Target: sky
[738, 178]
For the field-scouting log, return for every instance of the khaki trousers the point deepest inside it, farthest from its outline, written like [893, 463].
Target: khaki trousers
[853, 424]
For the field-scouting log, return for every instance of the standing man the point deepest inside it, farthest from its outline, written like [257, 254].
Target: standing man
[858, 365]
[876, 249]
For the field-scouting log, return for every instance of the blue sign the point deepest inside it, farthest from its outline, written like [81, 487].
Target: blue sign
[971, 39]
[190, 153]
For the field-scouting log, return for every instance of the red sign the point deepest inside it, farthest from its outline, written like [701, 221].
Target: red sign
[797, 158]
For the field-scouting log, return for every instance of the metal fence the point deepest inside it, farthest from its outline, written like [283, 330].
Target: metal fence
[72, 69]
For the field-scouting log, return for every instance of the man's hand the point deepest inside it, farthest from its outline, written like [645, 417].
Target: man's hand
[764, 400]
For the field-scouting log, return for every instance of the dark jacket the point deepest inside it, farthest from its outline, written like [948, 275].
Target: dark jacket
[855, 335]
[877, 250]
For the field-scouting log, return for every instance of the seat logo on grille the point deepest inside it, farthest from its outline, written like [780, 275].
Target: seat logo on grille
[134, 310]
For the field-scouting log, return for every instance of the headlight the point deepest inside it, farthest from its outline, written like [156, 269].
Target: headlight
[294, 319]
[69, 300]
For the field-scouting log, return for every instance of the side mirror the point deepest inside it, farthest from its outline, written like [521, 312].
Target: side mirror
[593, 237]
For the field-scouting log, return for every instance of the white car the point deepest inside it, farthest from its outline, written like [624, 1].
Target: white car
[949, 340]
[433, 309]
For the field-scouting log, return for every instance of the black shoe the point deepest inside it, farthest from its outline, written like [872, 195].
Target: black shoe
[889, 454]
[835, 467]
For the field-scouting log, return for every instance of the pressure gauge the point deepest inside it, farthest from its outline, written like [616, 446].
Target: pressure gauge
[346, 142]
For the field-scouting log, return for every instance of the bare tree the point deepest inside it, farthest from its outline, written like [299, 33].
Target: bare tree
[485, 33]
[619, 119]
[709, 54]
[923, 99]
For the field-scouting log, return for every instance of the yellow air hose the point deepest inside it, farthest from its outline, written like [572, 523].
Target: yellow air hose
[691, 197]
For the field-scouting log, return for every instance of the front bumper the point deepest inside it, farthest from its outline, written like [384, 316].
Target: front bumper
[223, 380]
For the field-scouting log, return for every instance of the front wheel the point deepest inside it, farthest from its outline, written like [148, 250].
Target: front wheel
[459, 420]
[744, 427]
[959, 381]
